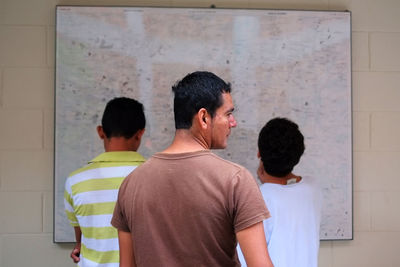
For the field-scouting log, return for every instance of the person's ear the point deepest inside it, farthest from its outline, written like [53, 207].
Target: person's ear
[100, 132]
[258, 154]
[139, 134]
[203, 118]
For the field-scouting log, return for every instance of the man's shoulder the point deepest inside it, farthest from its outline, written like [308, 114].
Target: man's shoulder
[203, 157]
[229, 164]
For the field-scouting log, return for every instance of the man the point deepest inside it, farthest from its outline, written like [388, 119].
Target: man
[292, 232]
[186, 206]
[91, 192]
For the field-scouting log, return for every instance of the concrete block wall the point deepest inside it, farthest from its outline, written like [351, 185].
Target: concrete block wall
[26, 128]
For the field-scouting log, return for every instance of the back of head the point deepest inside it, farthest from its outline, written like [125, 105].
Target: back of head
[123, 117]
[281, 144]
[197, 90]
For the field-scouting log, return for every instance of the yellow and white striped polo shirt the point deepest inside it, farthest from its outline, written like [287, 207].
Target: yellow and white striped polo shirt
[89, 198]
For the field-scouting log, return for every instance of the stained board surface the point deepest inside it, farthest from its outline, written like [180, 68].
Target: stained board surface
[295, 64]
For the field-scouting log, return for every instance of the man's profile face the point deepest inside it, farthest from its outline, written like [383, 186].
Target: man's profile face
[222, 123]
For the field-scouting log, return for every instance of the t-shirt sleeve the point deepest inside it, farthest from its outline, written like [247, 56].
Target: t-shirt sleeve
[119, 219]
[69, 205]
[248, 204]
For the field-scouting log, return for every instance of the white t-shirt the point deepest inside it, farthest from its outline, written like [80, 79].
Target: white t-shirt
[292, 231]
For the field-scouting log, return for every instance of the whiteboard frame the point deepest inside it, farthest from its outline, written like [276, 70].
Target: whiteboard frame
[58, 179]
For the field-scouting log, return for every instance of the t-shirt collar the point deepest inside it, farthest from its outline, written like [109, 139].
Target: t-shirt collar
[119, 156]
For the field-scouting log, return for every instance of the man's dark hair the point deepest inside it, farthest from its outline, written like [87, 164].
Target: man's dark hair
[123, 117]
[197, 90]
[281, 144]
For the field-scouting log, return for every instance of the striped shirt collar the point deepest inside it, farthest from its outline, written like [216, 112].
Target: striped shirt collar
[119, 156]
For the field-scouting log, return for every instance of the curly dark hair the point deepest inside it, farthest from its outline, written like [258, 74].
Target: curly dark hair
[281, 144]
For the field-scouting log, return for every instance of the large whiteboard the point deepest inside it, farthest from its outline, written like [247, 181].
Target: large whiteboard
[295, 64]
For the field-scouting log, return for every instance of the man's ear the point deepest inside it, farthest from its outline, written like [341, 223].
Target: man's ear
[203, 118]
[100, 132]
[258, 154]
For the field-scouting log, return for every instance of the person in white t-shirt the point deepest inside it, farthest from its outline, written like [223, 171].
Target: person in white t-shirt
[292, 231]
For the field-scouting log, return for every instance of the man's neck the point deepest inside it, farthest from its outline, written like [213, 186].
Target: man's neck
[186, 141]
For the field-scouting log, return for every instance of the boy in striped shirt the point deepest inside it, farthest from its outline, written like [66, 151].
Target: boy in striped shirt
[91, 191]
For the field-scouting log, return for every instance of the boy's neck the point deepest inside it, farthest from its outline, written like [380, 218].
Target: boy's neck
[288, 179]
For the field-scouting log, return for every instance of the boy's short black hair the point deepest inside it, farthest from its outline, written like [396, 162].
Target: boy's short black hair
[123, 117]
[281, 144]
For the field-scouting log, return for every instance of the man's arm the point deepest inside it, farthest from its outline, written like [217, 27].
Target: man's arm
[126, 253]
[77, 249]
[254, 246]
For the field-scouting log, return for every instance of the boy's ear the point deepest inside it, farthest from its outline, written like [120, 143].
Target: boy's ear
[139, 134]
[100, 132]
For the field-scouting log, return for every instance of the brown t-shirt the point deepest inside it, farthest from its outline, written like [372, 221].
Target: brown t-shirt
[184, 209]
